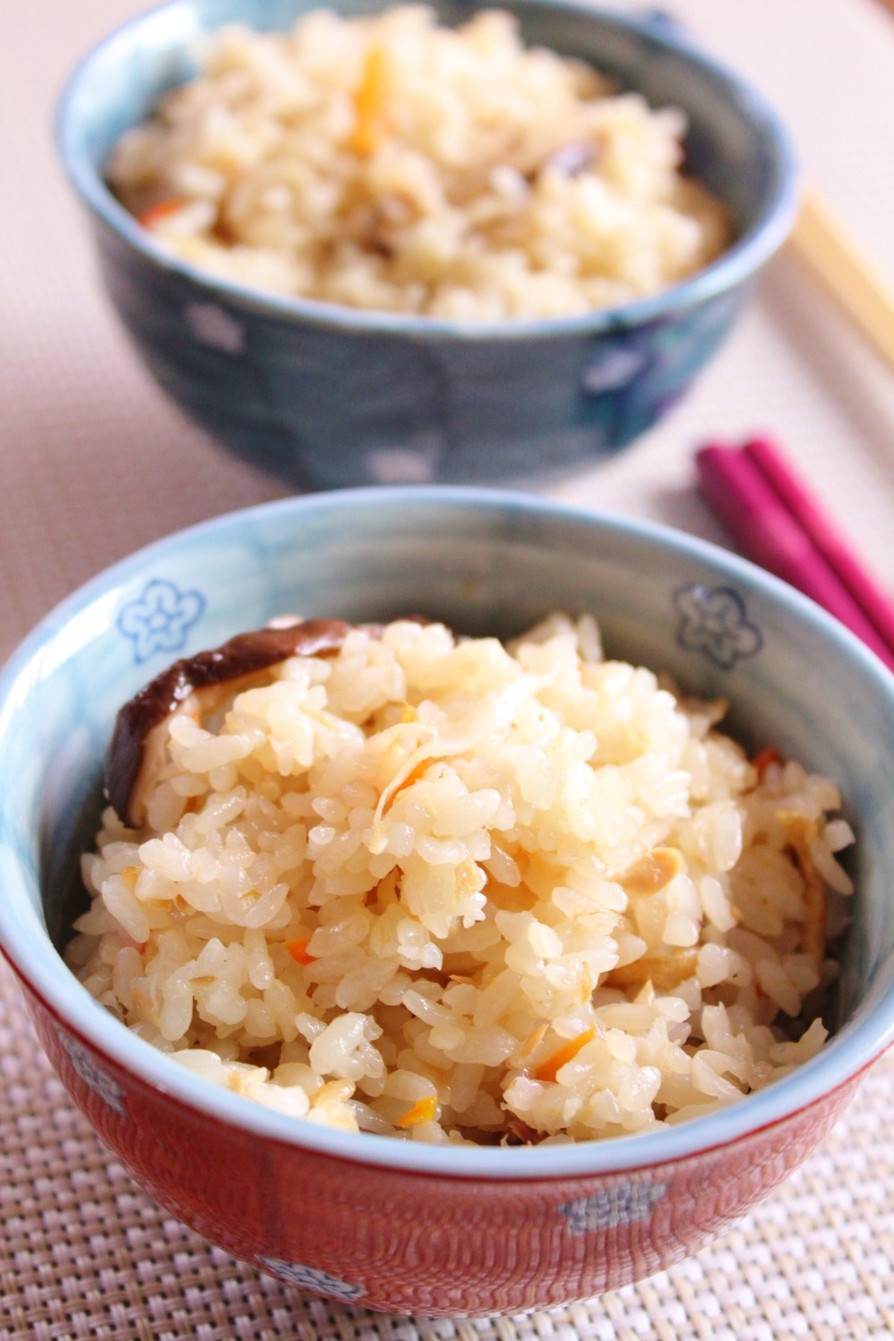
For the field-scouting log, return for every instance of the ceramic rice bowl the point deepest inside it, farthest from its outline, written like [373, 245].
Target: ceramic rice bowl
[328, 396]
[400, 1225]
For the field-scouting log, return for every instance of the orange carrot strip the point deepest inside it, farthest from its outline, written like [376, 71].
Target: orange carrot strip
[155, 213]
[369, 99]
[549, 1069]
[297, 948]
[764, 758]
[423, 1110]
[413, 776]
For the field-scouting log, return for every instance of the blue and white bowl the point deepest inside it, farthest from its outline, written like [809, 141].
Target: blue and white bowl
[403, 1225]
[328, 396]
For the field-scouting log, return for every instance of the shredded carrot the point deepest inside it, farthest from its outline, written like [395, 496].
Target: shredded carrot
[297, 948]
[161, 210]
[423, 1110]
[369, 101]
[763, 759]
[549, 1069]
[413, 776]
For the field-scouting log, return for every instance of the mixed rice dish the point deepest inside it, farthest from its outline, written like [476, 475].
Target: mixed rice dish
[454, 890]
[391, 163]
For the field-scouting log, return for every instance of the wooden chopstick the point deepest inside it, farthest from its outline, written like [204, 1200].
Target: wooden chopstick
[819, 239]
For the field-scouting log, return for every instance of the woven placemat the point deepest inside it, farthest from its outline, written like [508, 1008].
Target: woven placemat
[85, 1254]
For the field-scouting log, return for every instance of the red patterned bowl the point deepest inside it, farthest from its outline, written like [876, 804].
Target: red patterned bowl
[396, 1225]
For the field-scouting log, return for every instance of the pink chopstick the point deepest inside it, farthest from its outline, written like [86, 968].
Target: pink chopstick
[774, 521]
[876, 606]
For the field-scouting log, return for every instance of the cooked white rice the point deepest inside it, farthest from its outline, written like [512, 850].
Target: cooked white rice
[391, 163]
[452, 890]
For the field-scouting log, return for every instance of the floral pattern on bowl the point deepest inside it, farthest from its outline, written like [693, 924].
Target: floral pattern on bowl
[160, 618]
[715, 621]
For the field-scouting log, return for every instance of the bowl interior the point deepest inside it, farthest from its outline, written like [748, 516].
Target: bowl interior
[485, 563]
[735, 143]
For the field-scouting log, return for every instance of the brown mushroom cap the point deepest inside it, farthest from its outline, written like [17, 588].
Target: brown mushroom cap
[135, 740]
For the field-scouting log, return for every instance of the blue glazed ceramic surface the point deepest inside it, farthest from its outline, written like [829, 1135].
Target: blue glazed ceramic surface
[331, 397]
[486, 561]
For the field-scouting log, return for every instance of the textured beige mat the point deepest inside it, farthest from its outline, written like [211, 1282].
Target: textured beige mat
[84, 1254]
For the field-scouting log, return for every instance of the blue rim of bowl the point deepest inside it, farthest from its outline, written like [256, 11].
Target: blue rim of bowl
[24, 939]
[739, 263]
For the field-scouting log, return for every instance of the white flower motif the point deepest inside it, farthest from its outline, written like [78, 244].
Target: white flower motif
[92, 1074]
[212, 326]
[311, 1278]
[715, 622]
[613, 1206]
[612, 370]
[159, 620]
